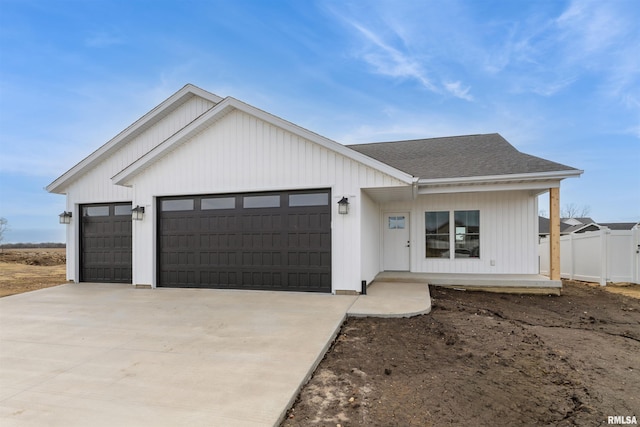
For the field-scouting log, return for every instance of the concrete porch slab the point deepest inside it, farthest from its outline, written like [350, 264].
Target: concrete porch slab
[514, 283]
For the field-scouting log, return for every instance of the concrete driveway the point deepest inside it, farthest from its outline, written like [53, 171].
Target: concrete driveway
[110, 355]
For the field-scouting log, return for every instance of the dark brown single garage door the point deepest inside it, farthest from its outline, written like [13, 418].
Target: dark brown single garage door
[267, 241]
[105, 243]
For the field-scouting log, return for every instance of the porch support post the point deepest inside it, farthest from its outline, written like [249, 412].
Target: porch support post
[554, 233]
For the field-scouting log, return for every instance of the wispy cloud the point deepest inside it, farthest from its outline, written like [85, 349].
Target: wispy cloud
[456, 89]
[591, 26]
[103, 39]
[395, 53]
[390, 61]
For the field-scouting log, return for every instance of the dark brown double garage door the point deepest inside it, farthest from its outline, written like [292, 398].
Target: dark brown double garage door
[268, 241]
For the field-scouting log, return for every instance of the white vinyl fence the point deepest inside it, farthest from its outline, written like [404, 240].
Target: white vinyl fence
[597, 256]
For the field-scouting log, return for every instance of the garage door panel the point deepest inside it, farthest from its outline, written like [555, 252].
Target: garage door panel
[105, 243]
[247, 241]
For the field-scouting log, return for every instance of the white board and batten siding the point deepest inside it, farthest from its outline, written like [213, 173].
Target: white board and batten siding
[96, 185]
[241, 153]
[508, 232]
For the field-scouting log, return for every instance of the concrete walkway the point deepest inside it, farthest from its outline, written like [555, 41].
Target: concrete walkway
[105, 355]
[392, 299]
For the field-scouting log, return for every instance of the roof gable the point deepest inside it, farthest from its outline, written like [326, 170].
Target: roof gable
[224, 107]
[459, 156]
[138, 127]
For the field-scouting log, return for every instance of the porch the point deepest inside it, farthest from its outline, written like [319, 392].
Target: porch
[507, 283]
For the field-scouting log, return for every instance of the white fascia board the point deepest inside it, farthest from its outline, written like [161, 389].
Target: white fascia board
[497, 179]
[223, 108]
[156, 114]
[533, 186]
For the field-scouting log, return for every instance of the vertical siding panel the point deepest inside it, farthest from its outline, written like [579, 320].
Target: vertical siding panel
[354, 173]
[261, 129]
[499, 227]
[308, 147]
[292, 148]
[340, 166]
[512, 236]
[269, 143]
[315, 162]
[286, 167]
[225, 135]
[325, 163]
[331, 170]
[505, 222]
[250, 153]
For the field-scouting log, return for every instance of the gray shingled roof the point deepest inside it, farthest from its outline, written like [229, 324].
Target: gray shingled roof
[544, 225]
[457, 156]
[619, 225]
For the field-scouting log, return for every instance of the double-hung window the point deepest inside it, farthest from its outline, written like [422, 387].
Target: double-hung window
[460, 241]
[437, 234]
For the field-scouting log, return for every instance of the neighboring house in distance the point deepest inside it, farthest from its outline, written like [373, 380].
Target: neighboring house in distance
[225, 195]
[581, 225]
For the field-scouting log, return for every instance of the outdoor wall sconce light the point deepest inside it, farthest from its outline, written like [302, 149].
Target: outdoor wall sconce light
[65, 217]
[343, 206]
[137, 213]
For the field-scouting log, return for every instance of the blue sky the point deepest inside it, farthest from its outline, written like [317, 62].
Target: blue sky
[558, 79]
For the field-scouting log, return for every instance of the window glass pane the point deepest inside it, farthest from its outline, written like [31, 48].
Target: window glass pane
[438, 246]
[437, 234]
[437, 222]
[272, 201]
[468, 218]
[177, 205]
[396, 222]
[95, 211]
[469, 247]
[312, 199]
[123, 210]
[218, 203]
[467, 238]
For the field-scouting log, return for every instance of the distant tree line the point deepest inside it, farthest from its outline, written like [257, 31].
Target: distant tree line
[4, 227]
[32, 245]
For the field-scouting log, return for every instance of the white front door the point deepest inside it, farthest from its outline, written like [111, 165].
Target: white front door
[396, 241]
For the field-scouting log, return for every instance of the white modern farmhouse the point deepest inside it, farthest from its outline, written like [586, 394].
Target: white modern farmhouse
[209, 192]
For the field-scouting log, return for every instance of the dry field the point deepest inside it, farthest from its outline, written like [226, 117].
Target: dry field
[24, 270]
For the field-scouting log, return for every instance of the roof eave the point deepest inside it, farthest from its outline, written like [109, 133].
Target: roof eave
[490, 179]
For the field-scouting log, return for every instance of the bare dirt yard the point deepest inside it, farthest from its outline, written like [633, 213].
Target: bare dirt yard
[24, 270]
[484, 359]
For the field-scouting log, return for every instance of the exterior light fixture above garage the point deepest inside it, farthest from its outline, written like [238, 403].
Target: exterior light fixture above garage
[137, 213]
[65, 217]
[343, 206]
